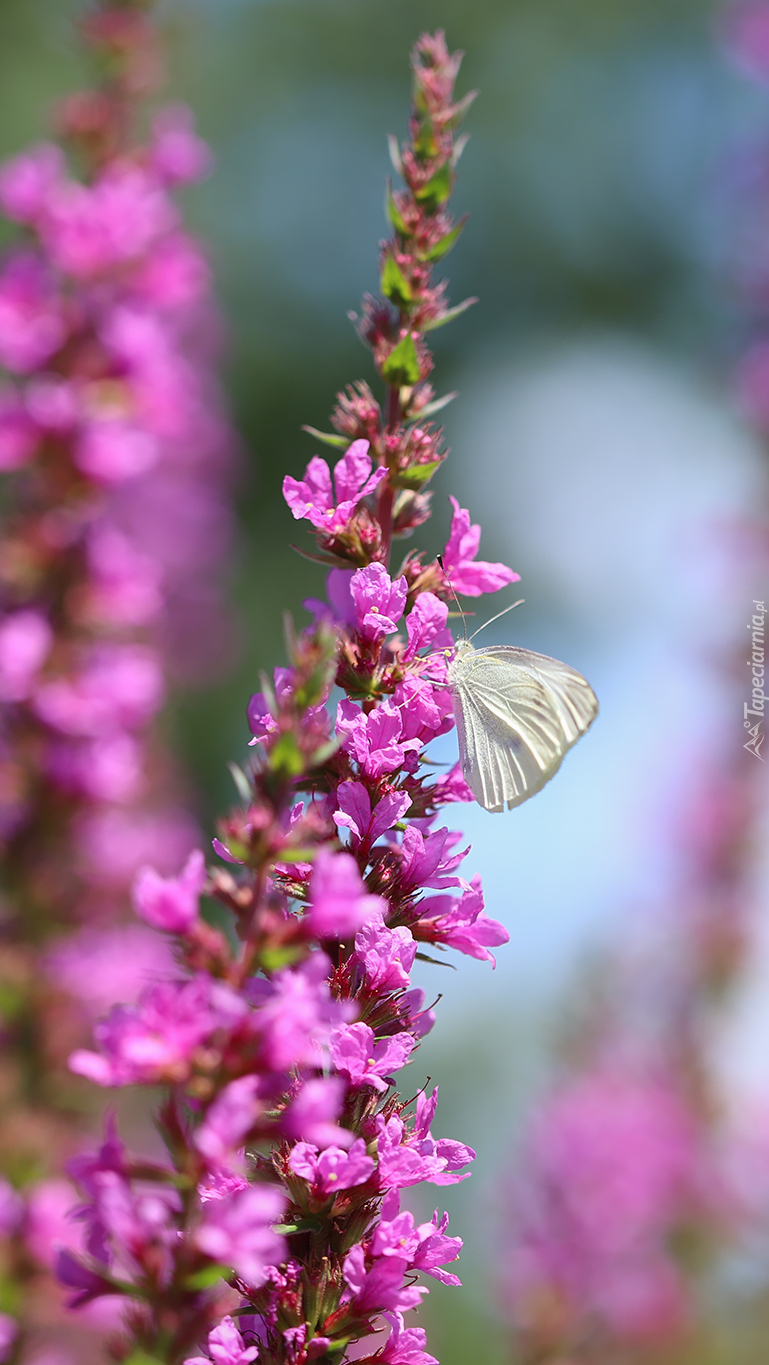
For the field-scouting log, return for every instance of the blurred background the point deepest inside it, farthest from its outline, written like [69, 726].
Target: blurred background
[596, 439]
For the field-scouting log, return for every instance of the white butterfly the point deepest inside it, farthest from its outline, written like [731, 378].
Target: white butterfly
[517, 714]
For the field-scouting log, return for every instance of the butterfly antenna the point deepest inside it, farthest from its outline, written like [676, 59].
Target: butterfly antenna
[512, 607]
[453, 594]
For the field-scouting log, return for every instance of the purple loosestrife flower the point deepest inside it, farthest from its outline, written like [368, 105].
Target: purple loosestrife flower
[332, 1170]
[365, 1059]
[226, 1347]
[170, 903]
[238, 1232]
[339, 905]
[328, 509]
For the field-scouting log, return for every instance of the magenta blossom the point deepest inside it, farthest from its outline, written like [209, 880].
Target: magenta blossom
[460, 923]
[225, 1347]
[427, 626]
[368, 1060]
[25, 642]
[312, 1113]
[381, 1287]
[425, 1247]
[170, 903]
[332, 1170]
[238, 1232]
[376, 742]
[405, 1157]
[364, 822]
[339, 904]
[404, 1346]
[386, 956]
[468, 575]
[332, 510]
[379, 602]
[228, 1120]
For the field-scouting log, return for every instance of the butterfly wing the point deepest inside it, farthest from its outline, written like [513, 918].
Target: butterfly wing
[517, 714]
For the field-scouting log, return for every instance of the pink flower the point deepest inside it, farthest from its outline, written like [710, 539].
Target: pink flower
[99, 966]
[386, 956]
[407, 1157]
[461, 924]
[238, 1232]
[466, 574]
[26, 638]
[296, 1013]
[19, 436]
[367, 1060]
[170, 903]
[332, 510]
[112, 449]
[32, 326]
[452, 787]
[404, 1346]
[426, 711]
[379, 602]
[178, 154]
[120, 685]
[311, 1115]
[424, 1247]
[154, 1041]
[91, 228]
[427, 626]
[376, 741]
[333, 1169]
[339, 903]
[427, 860]
[11, 1207]
[356, 814]
[225, 1347]
[381, 1287]
[28, 181]
[228, 1120]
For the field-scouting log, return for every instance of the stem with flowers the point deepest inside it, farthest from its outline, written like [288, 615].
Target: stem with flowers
[115, 460]
[274, 1229]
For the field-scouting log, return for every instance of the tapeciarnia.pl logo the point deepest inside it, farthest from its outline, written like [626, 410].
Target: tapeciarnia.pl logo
[753, 710]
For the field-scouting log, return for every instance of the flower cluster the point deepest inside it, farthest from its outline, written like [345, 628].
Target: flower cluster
[275, 1229]
[115, 460]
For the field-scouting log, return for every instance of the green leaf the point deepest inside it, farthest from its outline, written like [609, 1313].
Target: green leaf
[438, 188]
[210, 1274]
[443, 247]
[435, 961]
[449, 315]
[395, 152]
[431, 408]
[402, 364]
[393, 282]
[242, 784]
[140, 1357]
[286, 757]
[395, 217]
[416, 477]
[328, 438]
[272, 959]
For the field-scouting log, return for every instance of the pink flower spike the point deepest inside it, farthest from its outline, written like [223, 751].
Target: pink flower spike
[178, 154]
[367, 1060]
[468, 575]
[170, 903]
[379, 602]
[339, 903]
